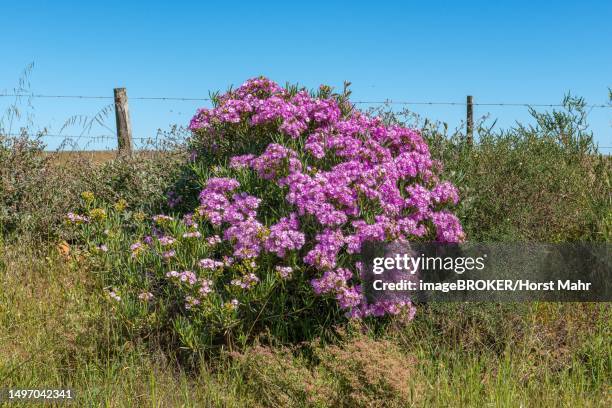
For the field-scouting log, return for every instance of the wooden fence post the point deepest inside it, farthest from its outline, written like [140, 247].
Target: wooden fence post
[470, 120]
[124, 127]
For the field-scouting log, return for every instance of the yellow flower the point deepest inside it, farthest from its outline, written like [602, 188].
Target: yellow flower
[263, 233]
[140, 216]
[121, 205]
[98, 214]
[88, 196]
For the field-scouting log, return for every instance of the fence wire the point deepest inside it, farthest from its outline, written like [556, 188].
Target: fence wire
[374, 102]
[359, 102]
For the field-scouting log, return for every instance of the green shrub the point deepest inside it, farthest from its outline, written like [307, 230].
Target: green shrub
[22, 165]
[541, 182]
[38, 188]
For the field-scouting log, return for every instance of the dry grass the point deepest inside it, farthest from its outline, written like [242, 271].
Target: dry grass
[94, 156]
[357, 372]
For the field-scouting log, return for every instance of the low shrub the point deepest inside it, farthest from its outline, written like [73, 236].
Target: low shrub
[21, 167]
[543, 182]
[38, 188]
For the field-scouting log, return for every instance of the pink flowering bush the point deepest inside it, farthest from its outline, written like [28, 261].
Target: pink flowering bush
[292, 185]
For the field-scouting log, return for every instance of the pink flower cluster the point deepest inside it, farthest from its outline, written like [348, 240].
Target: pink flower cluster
[217, 207]
[356, 163]
[146, 296]
[191, 302]
[263, 102]
[214, 240]
[76, 218]
[336, 282]
[208, 263]
[323, 255]
[285, 236]
[284, 271]
[166, 240]
[272, 160]
[185, 277]
[202, 287]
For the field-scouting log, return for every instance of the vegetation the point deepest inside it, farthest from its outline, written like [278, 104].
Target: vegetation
[60, 328]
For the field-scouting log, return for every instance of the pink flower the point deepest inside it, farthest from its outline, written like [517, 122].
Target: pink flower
[205, 287]
[166, 240]
[192, 234]
[169, 254]
[239, 162]
[284, 271]
[161, 218]
[187, 277]
[208, 263]
[76, 218]
[214, 240]
[191, 302]
[113, 295]
[285, 236]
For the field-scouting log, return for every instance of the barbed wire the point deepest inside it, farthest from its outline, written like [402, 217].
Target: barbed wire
[383, 102]
[526, 105]
[99, 137]
[166, 98]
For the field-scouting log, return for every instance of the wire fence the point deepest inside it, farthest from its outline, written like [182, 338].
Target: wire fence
[380, 102]
[97, 137]
[199, 99]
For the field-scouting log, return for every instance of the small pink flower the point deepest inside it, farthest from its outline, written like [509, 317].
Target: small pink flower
[191, 302]
[161, 218]
[113, 295]
[284, 271]
[208, 263]
[205, 287]
[166, 240]
[214, 240]
[169, 254]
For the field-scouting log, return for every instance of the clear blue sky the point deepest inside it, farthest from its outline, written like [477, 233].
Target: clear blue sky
[519, 51]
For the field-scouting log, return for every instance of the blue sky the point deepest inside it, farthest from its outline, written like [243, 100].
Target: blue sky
[413, 50]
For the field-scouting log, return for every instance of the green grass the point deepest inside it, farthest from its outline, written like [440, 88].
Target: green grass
[57, 332]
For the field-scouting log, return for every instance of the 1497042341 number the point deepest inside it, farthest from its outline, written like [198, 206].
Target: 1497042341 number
[21, 394]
